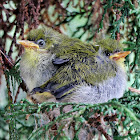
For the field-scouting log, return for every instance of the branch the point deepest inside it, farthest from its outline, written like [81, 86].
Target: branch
[134, 90]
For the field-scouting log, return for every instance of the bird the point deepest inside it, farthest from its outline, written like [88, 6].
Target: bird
[59, 68]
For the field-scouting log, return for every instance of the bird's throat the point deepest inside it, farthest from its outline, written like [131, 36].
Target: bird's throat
[31, 57]
[120, 62]
[36, 68]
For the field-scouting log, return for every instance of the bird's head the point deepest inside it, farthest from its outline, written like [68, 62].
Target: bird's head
[113, 49]
[38, 44]
[41, 39]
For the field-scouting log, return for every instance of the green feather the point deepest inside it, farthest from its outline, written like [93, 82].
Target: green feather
[82, 64]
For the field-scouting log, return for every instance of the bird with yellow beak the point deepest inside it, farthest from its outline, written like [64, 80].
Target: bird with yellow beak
[62, 69]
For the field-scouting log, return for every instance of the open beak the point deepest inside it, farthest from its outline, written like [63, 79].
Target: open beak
[119, 55]
[28, 44]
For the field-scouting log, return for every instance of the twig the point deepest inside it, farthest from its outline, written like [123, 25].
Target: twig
[117, 18]
[7, 59]
[134, 90]
[103, 131]
[4, 69]
[17, 94]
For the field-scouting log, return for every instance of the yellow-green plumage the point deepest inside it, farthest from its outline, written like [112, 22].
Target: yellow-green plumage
[71, 66]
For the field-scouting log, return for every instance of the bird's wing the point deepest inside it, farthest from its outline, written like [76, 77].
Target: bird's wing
[75, 71]
[62, 82]
[59, 61]
[68, 76]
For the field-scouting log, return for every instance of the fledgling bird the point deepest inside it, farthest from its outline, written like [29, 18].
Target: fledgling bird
[62, 69]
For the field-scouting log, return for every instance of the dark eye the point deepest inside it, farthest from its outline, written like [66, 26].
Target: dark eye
[107, 53]
[41, 43]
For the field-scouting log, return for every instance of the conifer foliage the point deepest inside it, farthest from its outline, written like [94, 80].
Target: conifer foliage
[116, 119]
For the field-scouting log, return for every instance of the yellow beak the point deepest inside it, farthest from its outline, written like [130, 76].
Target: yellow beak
[119, 55]
[28, 44]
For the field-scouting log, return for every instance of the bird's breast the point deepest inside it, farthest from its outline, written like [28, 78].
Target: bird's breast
[36, 71]
[113, 87]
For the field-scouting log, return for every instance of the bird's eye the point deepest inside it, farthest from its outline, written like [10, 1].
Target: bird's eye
[41, 43]
[107, 53]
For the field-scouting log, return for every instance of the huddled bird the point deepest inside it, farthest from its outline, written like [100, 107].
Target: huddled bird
[58, 68]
